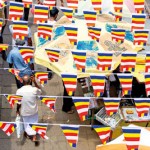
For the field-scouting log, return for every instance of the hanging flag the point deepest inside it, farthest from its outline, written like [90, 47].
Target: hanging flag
[132, 137]
[27, 3]
[82, 106]
[147, 62]
[73, 4]
[68, 12]
[147, 84]
[27, 53]
[118, 16]
[53, 54]
[49, 3]
[3, 47]
[16, 73]
[94, 33]
[79, 59]
[103, 133]
[1, 24]
[126, 83]
[72, 33]
[97, 5]
[104, 61]
[118, 5]
[12, 99]
[71, 133]
[90, 18]
[41, 13]
[118, 35]
[40, 129]
[141, 37]
[42, 77]
[98, 83]
[15, 10]
[111, 105]
[7, 127]
[49, 102]
[70, 82]
[139, 6]
[128, 62]
[142, 106]
[138, 21]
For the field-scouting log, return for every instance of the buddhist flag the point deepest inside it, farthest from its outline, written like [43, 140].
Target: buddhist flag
[103, 133]
[27, 3]
[73, 4]
[45, 30]
[147, 84]
[71, 133]
[128, 62]
[27, 53]
[138, 21]
[53, 54]
[147, 62]
[97, 5]
[16, 73]
[118, 16]
[111, 105]
[1, 23]
[40, 129]
[68, 12]
[15, 10]
[12, 99]
[126, 83]
[79, 59]
[82, 106]
[72, 33]
[90, 18]
[141, 37]
[3, 47]
[139, 6]
[41, 13]
[70, 82]
[7, 127]
[42, 77]
[94, 33]
[118, 5]
[118, 35]
[142, 106]
[104, 61]
[132, 137]
[98, 83]
[49, 3]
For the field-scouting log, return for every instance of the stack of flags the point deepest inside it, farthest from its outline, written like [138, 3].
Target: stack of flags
[147, 63]
[94, 33]
[27, 3]
[49, 3]
[42, 77]
[139, 6]
[97, 5]
[147, 84]
[3, 47]
[73, 4]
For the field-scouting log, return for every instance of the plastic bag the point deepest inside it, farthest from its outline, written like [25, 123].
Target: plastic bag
[20, 126]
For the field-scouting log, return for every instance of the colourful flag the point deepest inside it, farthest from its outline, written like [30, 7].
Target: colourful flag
[1, 23]
[15, 10]
[103, 133]
[70, 82]
[53, 54]
[27, 3]
[139, 6]
[27, 53]
[111, 105]
[79, 59]
[138, 21]
[72, 33]
[12, 99]
[118, 35]
[98, 83]
[126, 83]
[142, 106]
[68, 12]
[45, 30]
[94, 33]
[8, 128]
[41, 13]
[132, 137]
[147, 62]
[97, 5]
[128, 62]
[90, 18]
[3, 47]
[141, 37]
[73, 4]
[40, 129]
[104, 61]
[42, 77]
[147, 84]
[82, 106]
[49, 102]
[118, 5]
[118, 17]
[16, 73]
[49, 3]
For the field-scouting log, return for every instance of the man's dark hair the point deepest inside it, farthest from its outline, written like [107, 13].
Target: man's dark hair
[54, 11]
[20, 42]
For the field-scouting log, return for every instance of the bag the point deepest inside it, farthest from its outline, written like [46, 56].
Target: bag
[20, 126]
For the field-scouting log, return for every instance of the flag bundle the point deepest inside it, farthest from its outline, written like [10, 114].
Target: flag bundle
[118, 35]
[1, 23]
[42, 77]
[27, 3]
[53, 54]
[49, 3]
[97, 5]
[81, 104]
[3, 47]
[139, 6]
[147, 62]
[111, 105]
[104, 61]
[45, 30]
[16, 73]
[70, 82]
[141, 37]
[73, 4]
[16, 11]
[94, 33]
[128, 62]
[126, 83]
[98, 83]
[132, 137]
[71, 133]
[41, 14]
[147, 84]
[79, 59]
